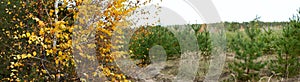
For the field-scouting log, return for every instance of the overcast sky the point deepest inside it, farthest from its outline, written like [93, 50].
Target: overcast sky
[239, 10]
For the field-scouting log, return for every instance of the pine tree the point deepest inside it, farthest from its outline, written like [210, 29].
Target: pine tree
[248, 48]
[287, 63]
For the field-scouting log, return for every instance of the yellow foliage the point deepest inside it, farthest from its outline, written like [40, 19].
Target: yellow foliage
[50, 36]
[41, 23]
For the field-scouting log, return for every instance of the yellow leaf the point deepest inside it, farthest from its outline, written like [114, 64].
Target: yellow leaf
[42, 32]
[18, 57]
[62, 26]
[29, 55]
[24, 56]
[41, 23]
[59, 53]
[14, 70]
[30, 15]
[21, 24]
[56, 62]
[27, 34]
[29, 42]
[127, 81]
[101, 36]
[15, 37]
[51, 12]
[44, 71]
[18, 80]
[12, 74]
[34, 53]
[36, 19]
[23, 35]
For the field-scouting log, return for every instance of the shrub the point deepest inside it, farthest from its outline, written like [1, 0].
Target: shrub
[146, 37]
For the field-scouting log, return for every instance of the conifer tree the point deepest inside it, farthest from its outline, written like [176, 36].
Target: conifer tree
[287, 63]
[248, 48]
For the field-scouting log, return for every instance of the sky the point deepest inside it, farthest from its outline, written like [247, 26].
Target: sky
[238, 10]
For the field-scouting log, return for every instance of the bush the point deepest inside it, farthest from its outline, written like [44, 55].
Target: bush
[146, 37]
